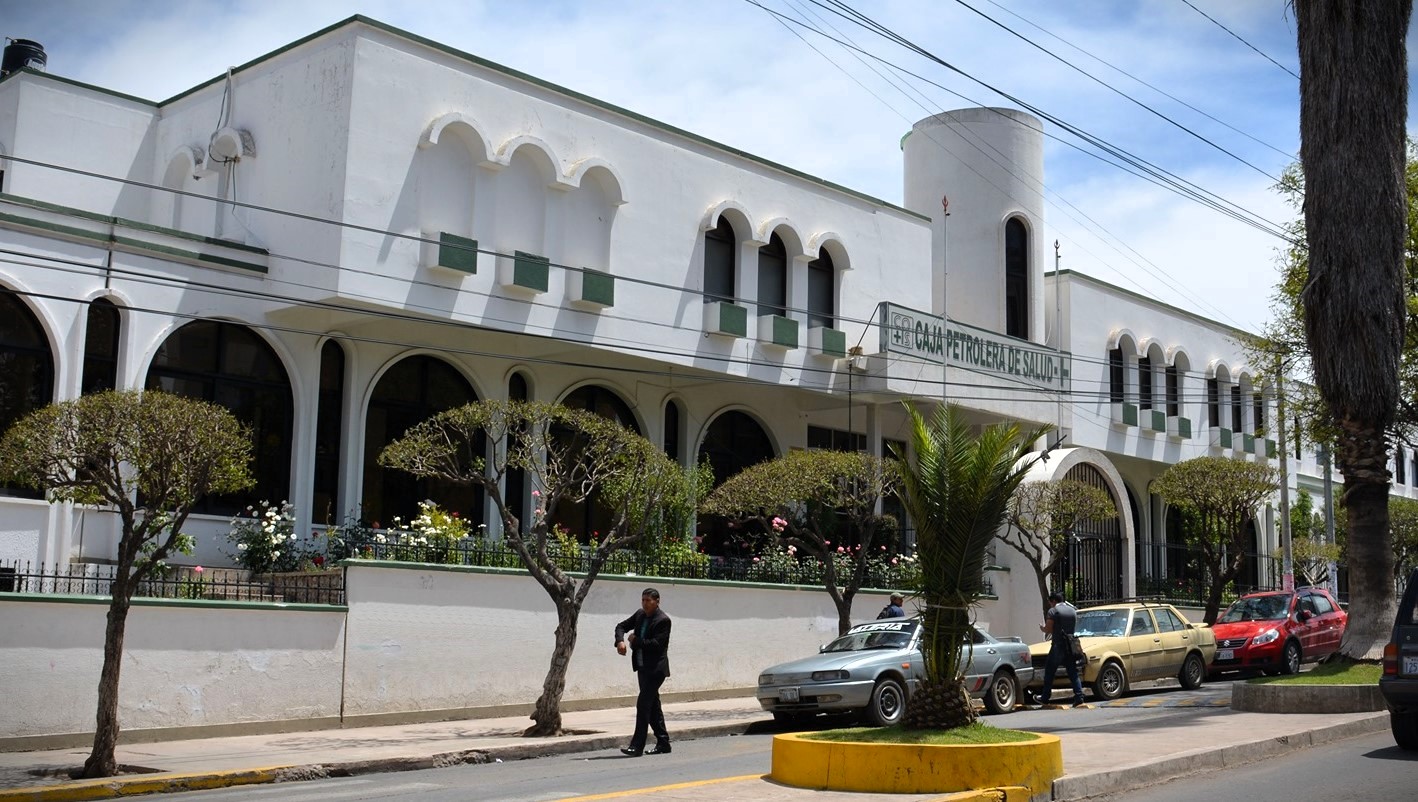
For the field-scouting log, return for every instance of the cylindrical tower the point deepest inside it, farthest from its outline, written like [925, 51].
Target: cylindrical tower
[990, 164]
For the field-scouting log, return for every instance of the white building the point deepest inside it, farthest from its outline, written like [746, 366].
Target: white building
[363, 227]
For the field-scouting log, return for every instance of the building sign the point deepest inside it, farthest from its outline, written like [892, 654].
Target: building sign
[921, 335]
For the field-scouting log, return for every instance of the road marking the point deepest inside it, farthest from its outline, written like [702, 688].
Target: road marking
[676, 786]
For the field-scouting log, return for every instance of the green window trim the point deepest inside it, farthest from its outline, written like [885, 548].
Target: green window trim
[722, 317]
[459, 254]
[1125, 413]
[829, 342]
[530, 271]
[1181, 427]
[1159, 420]
[782, 331]
[597, 287]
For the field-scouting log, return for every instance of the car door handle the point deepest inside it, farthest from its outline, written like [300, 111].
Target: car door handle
[1156, 640]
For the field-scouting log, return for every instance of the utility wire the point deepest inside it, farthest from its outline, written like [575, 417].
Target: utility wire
[1114, 89]
[1153, 87]
[980, 145]
[1239, 39]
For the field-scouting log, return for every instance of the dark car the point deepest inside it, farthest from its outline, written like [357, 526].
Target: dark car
[1399, 683]
[1275, 631]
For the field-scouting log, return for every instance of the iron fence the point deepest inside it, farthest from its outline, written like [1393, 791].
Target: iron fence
[1176, 573]
[771, 569]
[176, 582]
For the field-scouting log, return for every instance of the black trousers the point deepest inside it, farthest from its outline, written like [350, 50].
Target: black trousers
[648, 714]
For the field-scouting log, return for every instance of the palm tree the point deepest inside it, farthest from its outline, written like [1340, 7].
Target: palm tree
[1353, 110]
[956, 487]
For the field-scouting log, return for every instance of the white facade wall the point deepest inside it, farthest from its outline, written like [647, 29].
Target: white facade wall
[183, 665]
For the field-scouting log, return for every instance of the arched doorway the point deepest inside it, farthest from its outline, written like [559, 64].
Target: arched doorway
[26, 371]
[734, 441]
[1092, 571]
[230, 365]
[588, 521]
[410, 392]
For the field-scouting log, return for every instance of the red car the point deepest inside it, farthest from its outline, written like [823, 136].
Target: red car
[1275, 631]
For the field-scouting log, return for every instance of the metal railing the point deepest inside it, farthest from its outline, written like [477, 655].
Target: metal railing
[176, 582]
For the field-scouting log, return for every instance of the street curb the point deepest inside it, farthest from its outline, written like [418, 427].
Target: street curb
[138, 784]
[1129, 778]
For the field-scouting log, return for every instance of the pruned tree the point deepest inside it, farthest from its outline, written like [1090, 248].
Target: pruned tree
[148, 456]
[1353, 120]
[567, 454]
[815, 495]
[956, 485]
[1309, 552]
[1403, 531]
[1042, 519]
[1221, 495]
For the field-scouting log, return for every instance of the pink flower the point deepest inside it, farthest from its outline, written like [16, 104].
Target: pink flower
[779, 524]
[755, 559]
[536, 494]
[197, 570]
[893, 560]
[841, 550]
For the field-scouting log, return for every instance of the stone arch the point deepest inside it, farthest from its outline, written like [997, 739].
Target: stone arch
[590, 214]
[467, 131]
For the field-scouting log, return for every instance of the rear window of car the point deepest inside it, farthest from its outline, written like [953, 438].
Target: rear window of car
[1322, 604]
[1168, 621]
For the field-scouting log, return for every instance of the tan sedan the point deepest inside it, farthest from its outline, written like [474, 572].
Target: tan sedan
[1134, 641]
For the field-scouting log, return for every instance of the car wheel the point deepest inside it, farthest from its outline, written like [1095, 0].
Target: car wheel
[1111, 682]
[888, 704]
[1405, 730]
[1003, 693]
[1193, 672]
[1290, 658]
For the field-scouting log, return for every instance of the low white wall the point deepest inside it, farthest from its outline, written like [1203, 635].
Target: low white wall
[428, 638]
[413, 639]
[184, 665]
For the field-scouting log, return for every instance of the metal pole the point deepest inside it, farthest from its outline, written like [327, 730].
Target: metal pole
[944, 295]
[1329, 515]
[1058, 337]
[1288, 563]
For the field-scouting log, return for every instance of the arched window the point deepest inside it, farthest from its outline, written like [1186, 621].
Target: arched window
[329, 434]
[26, 370]
[1236, 408]
[720, 247]
[773, 277]
[589, 520]
[821, 291]
[413, 390]
[1174, 391]
[1144, 383]
[1117, 379]
[1213, 402]
[100, 347]
[733, 442]
[1016, 279]
[672, 430]
[230, 365]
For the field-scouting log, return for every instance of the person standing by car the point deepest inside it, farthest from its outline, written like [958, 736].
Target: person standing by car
[1059, 622]
[647, 634]
[894, 609]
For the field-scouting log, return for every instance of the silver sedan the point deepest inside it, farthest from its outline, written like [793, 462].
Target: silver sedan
[873, 669]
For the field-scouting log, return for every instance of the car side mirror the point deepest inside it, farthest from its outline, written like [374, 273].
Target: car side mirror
[1303, 616]
[822, 648]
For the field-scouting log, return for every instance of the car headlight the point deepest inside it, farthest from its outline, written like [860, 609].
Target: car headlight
[824, 676]
[765, 679]
[1265, 637]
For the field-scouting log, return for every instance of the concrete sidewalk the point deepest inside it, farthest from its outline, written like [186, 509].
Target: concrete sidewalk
[1097, 759]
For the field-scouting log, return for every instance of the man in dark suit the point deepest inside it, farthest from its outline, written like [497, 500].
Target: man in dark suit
[647, 634]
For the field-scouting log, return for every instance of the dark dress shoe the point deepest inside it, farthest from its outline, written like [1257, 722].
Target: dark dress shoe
[658, 749]
[634, 752]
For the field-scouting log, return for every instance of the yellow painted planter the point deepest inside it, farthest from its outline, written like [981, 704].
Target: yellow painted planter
[916, 768]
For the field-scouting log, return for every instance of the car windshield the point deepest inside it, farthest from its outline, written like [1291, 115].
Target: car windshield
[881, 635]
[1101, 623]
[1256, 608]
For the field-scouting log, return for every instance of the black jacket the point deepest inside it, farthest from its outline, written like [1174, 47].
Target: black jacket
[653, 648]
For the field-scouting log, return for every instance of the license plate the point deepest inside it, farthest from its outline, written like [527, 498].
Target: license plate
[1225, 654]
[1410, 665]
[787, 694]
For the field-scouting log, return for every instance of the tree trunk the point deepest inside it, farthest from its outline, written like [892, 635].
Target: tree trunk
[102, 762]
[939, 706]
[1370, 548]
[1353, 115]
[547, 712]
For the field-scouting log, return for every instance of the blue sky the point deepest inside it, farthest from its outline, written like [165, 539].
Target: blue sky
[731, 71]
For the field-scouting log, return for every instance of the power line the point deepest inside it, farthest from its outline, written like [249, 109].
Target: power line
[1153, 87]
[1112, 88]
[1239, 39]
